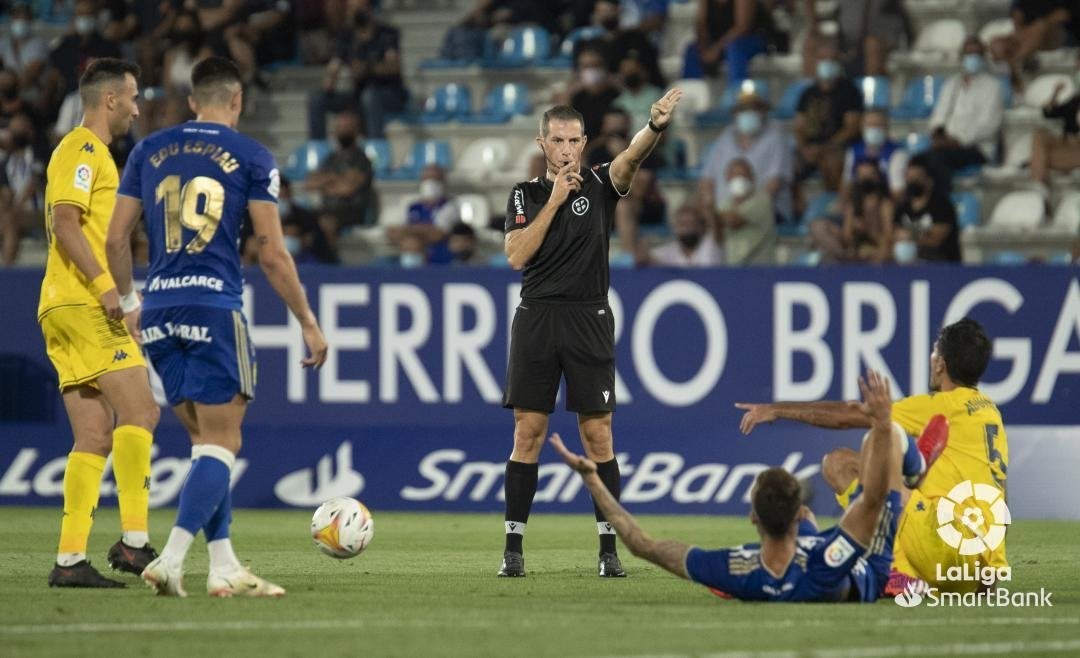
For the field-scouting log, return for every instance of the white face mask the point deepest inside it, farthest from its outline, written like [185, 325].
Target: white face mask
[292, 244]
[905, 252]
[592, 75]
[20, 28]
[431, 190]
[740, 187]
[84, 25]
[412, 260]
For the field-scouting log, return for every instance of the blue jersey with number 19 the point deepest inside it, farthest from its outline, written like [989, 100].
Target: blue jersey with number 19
[195, 181]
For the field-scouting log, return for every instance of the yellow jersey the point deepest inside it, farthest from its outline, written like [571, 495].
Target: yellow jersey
[81, 173]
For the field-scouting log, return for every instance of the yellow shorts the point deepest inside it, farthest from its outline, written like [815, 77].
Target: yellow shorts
[921, 552]
[83, 344]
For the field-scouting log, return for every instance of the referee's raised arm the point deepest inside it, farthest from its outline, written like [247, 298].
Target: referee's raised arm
[625, 165]
[521, 245]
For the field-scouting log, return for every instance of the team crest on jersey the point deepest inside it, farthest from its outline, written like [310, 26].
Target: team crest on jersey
[82, 178]
[838, 551]
[580, 205]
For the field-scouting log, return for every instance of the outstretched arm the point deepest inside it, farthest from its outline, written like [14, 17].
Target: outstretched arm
[668, 554]
[879, 459]
[625, 165]
[830, 414]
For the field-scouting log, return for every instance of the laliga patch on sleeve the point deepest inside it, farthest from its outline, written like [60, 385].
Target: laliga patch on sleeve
[838, 551]
[83, 175]
[275, 183]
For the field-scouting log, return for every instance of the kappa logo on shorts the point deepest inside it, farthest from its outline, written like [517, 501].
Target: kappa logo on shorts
[838, 551]
[580, 206]
[120, 355]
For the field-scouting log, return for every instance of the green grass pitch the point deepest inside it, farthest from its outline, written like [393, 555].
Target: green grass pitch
[427, 587]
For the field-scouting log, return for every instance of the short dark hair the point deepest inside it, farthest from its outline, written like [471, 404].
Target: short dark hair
[921, 161]
[776, 499]
[966, 351]
[100, 72]
[212, 80]
[560, 113]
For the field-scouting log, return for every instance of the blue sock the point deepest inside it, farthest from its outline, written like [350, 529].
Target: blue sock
[914, 464]
[218, 525]
[206, 488]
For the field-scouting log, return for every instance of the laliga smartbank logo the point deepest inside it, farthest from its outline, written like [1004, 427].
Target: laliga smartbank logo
[972, 518]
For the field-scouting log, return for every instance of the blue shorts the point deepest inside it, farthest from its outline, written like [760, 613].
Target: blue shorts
[202, 353]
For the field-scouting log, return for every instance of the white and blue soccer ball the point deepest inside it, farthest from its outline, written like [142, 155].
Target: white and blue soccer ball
[342, 528]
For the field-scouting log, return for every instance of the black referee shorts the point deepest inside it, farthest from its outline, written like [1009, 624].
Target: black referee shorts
[548, 341]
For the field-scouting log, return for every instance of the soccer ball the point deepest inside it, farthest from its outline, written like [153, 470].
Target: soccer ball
[342, 527]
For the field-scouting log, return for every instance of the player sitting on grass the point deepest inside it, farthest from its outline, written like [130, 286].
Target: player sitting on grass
[794, 561]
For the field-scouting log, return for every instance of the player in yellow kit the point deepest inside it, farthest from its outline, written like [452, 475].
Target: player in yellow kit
[103, 378]
[977, 452]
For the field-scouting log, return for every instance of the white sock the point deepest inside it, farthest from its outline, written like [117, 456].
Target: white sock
[177, 547]
[68, 559]
[222, 558]
[135, 538]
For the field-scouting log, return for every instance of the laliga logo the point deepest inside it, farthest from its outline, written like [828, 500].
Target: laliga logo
[971, 517]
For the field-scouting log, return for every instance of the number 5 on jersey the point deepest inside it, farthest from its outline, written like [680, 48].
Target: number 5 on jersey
[182, 210]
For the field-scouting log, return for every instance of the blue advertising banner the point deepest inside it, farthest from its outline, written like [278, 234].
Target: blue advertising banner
[406, 413]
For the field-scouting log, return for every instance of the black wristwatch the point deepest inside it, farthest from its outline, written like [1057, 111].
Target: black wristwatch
[655, 128]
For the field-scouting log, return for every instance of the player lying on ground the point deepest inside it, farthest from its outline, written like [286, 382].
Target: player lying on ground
[794, 561]
[977, 451]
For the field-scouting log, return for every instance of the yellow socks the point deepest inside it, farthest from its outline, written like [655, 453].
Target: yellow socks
[82, 486]
[131, 467]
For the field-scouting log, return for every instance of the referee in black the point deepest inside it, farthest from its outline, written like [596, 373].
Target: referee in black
[557, 230]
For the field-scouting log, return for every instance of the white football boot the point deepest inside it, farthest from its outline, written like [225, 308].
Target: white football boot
[165, 579]
[241, 583]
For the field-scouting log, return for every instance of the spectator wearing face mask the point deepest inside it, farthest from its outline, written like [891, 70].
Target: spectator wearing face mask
[83, 42]
[629, 31]
[966, 121]
[827, 120]
[22, 183]
[763, 143]
[595, 91]
[430, 218]
[462, 245]
[23, 53]
[1050, 152]
[875, 144]
[927, 218]
[11, 100]
[865, 235]
[747, 220]
[344, 179]
[695, 245]
[638, 94]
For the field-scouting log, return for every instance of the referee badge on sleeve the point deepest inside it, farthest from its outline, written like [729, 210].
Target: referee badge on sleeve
[580, 205]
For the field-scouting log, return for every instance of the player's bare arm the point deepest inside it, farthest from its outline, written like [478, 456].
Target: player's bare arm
[625, 165]
[522, 244]
[118, 253]
[280, 270]
[668, 554]
[879, 457]
[829, 414]
[67, 228]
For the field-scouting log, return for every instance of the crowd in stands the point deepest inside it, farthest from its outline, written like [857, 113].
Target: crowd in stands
[829, 173]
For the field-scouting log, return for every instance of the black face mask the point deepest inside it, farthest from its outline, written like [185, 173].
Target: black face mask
[610, 24]
[869, 186]
[10, 93]
[362, 19]
[690, 240]
[346, 141]
[621, 134]
[916, 189]
[463, 256]
[634, 80]
[20, 140]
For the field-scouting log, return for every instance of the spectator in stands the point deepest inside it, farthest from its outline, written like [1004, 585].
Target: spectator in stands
[236, 28]
[11, 97]
[762, 142]
[966, 121]
[868, 31]
[187, 46]
[695, 243]
[731, 31]
[22, 186]
[413, 253]
[494, 19]
[304, 236]
[594, 92]
[1039, 25]
[927, 218]
[746, 219]
[875, 144]
[82, 43]
[648, 16]
[23, 53]
[827, 120]
[638, 94]
[430, 218]
[1051, 152]
[372, 57]
[344, 181]
[622, 39]
[462, 245]
[865, 234]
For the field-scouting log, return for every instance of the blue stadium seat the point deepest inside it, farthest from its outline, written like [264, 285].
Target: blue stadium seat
[378, 151]
[721, 114]
[502, 103]
[423, 153]
[524, 46]
[1008, 258]
[917, 143]
[876, 91]
[447, 103]
[565, 56]
[919, 98]
[789, 101]
[819, 206]
[968, 209]
[305, 159]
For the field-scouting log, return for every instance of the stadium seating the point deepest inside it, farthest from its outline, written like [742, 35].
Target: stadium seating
[1041, 89]
[305, 159]
[526, 46]
[920, 96]
[1067, 215]
[1021, 210]
[968, 210]
[721, 114]
[447, 103]
[422, 154]
[696, 99]
[788, 105]
[876, 91]
[940, 40]
[917, 143]
[474, 210]
[822, 205]
[565, 56]
[380, 154]
[485, 159]
[501, 104]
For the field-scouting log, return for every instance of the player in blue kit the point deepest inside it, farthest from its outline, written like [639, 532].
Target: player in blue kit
[196, 182]
[794, 561]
